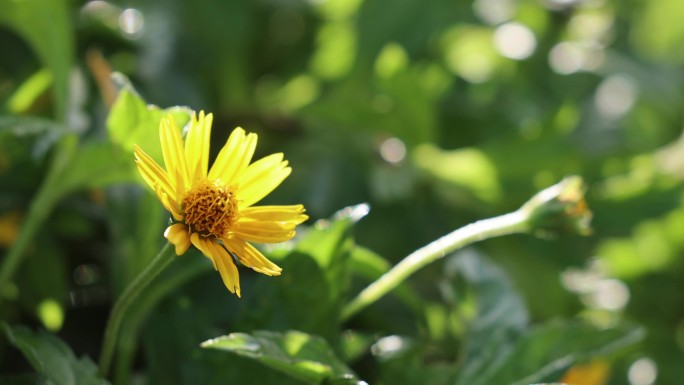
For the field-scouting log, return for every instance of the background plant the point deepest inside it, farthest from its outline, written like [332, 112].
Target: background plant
[427, 111]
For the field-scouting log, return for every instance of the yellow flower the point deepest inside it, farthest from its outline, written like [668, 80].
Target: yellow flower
[213, 209]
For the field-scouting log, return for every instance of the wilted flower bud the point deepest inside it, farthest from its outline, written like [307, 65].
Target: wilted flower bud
[560, 208]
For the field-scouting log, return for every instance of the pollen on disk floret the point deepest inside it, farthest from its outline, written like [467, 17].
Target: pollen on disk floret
[211, 208]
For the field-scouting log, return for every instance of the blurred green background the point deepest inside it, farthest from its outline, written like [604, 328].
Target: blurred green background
[436, 113]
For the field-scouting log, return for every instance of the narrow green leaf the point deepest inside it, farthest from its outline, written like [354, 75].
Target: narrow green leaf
[299, 355]
[24, 97]
[47, 27]
[52, 358]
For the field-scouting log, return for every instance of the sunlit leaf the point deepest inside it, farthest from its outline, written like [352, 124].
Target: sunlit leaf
[132, 121]
[305, 357]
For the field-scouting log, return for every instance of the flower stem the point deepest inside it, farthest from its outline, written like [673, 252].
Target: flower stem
[40, 208]
[515, 222]
[42, 204]
[158, 264]
[128, 342]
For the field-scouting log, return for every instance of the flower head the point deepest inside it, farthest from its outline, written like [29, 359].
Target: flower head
[560, 208]
[213, 208]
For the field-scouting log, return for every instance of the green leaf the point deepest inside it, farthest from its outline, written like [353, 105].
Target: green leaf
[500, 314]
[24, 144]
[131, 121]
[52, 358]
[331, 244]
[309, 293]
[98, 164]
[21, 137]
[500, 350]
[299, 355]
[46, 26]
[548, 350]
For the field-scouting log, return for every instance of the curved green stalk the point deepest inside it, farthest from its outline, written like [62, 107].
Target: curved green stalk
[129, 331]
[559, 208]
[515, 222]
[156, 266]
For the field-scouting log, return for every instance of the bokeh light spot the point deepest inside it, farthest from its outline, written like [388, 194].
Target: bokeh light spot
[131, 23]
[101, 11]
[590, 26]
[514, 41]
[393, 150]
[388, 346]
[494, 11]
[565, 58]
[642, 372]
[391, 60]
[615, 96]
[299, 92]
[336, 50]
[51, 314]
[469, 53]
[610, 294]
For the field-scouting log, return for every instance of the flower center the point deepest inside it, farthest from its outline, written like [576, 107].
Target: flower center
[211, 208]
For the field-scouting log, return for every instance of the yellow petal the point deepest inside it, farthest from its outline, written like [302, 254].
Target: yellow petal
[174, 156]
[201, 244]
[234, 157]
[170, 205]
[251, 257]
[178, 235]
[226, 267]
[157, 178]
[265, 231]
[260, 178]
[292, 214]
[151, 172]
[223, 261]
[197, 145]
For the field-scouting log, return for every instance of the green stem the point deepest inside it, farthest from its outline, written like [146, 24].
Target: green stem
[128, 342]
[515, 222]
[50, 191]
[40, 207]
[158, 264]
